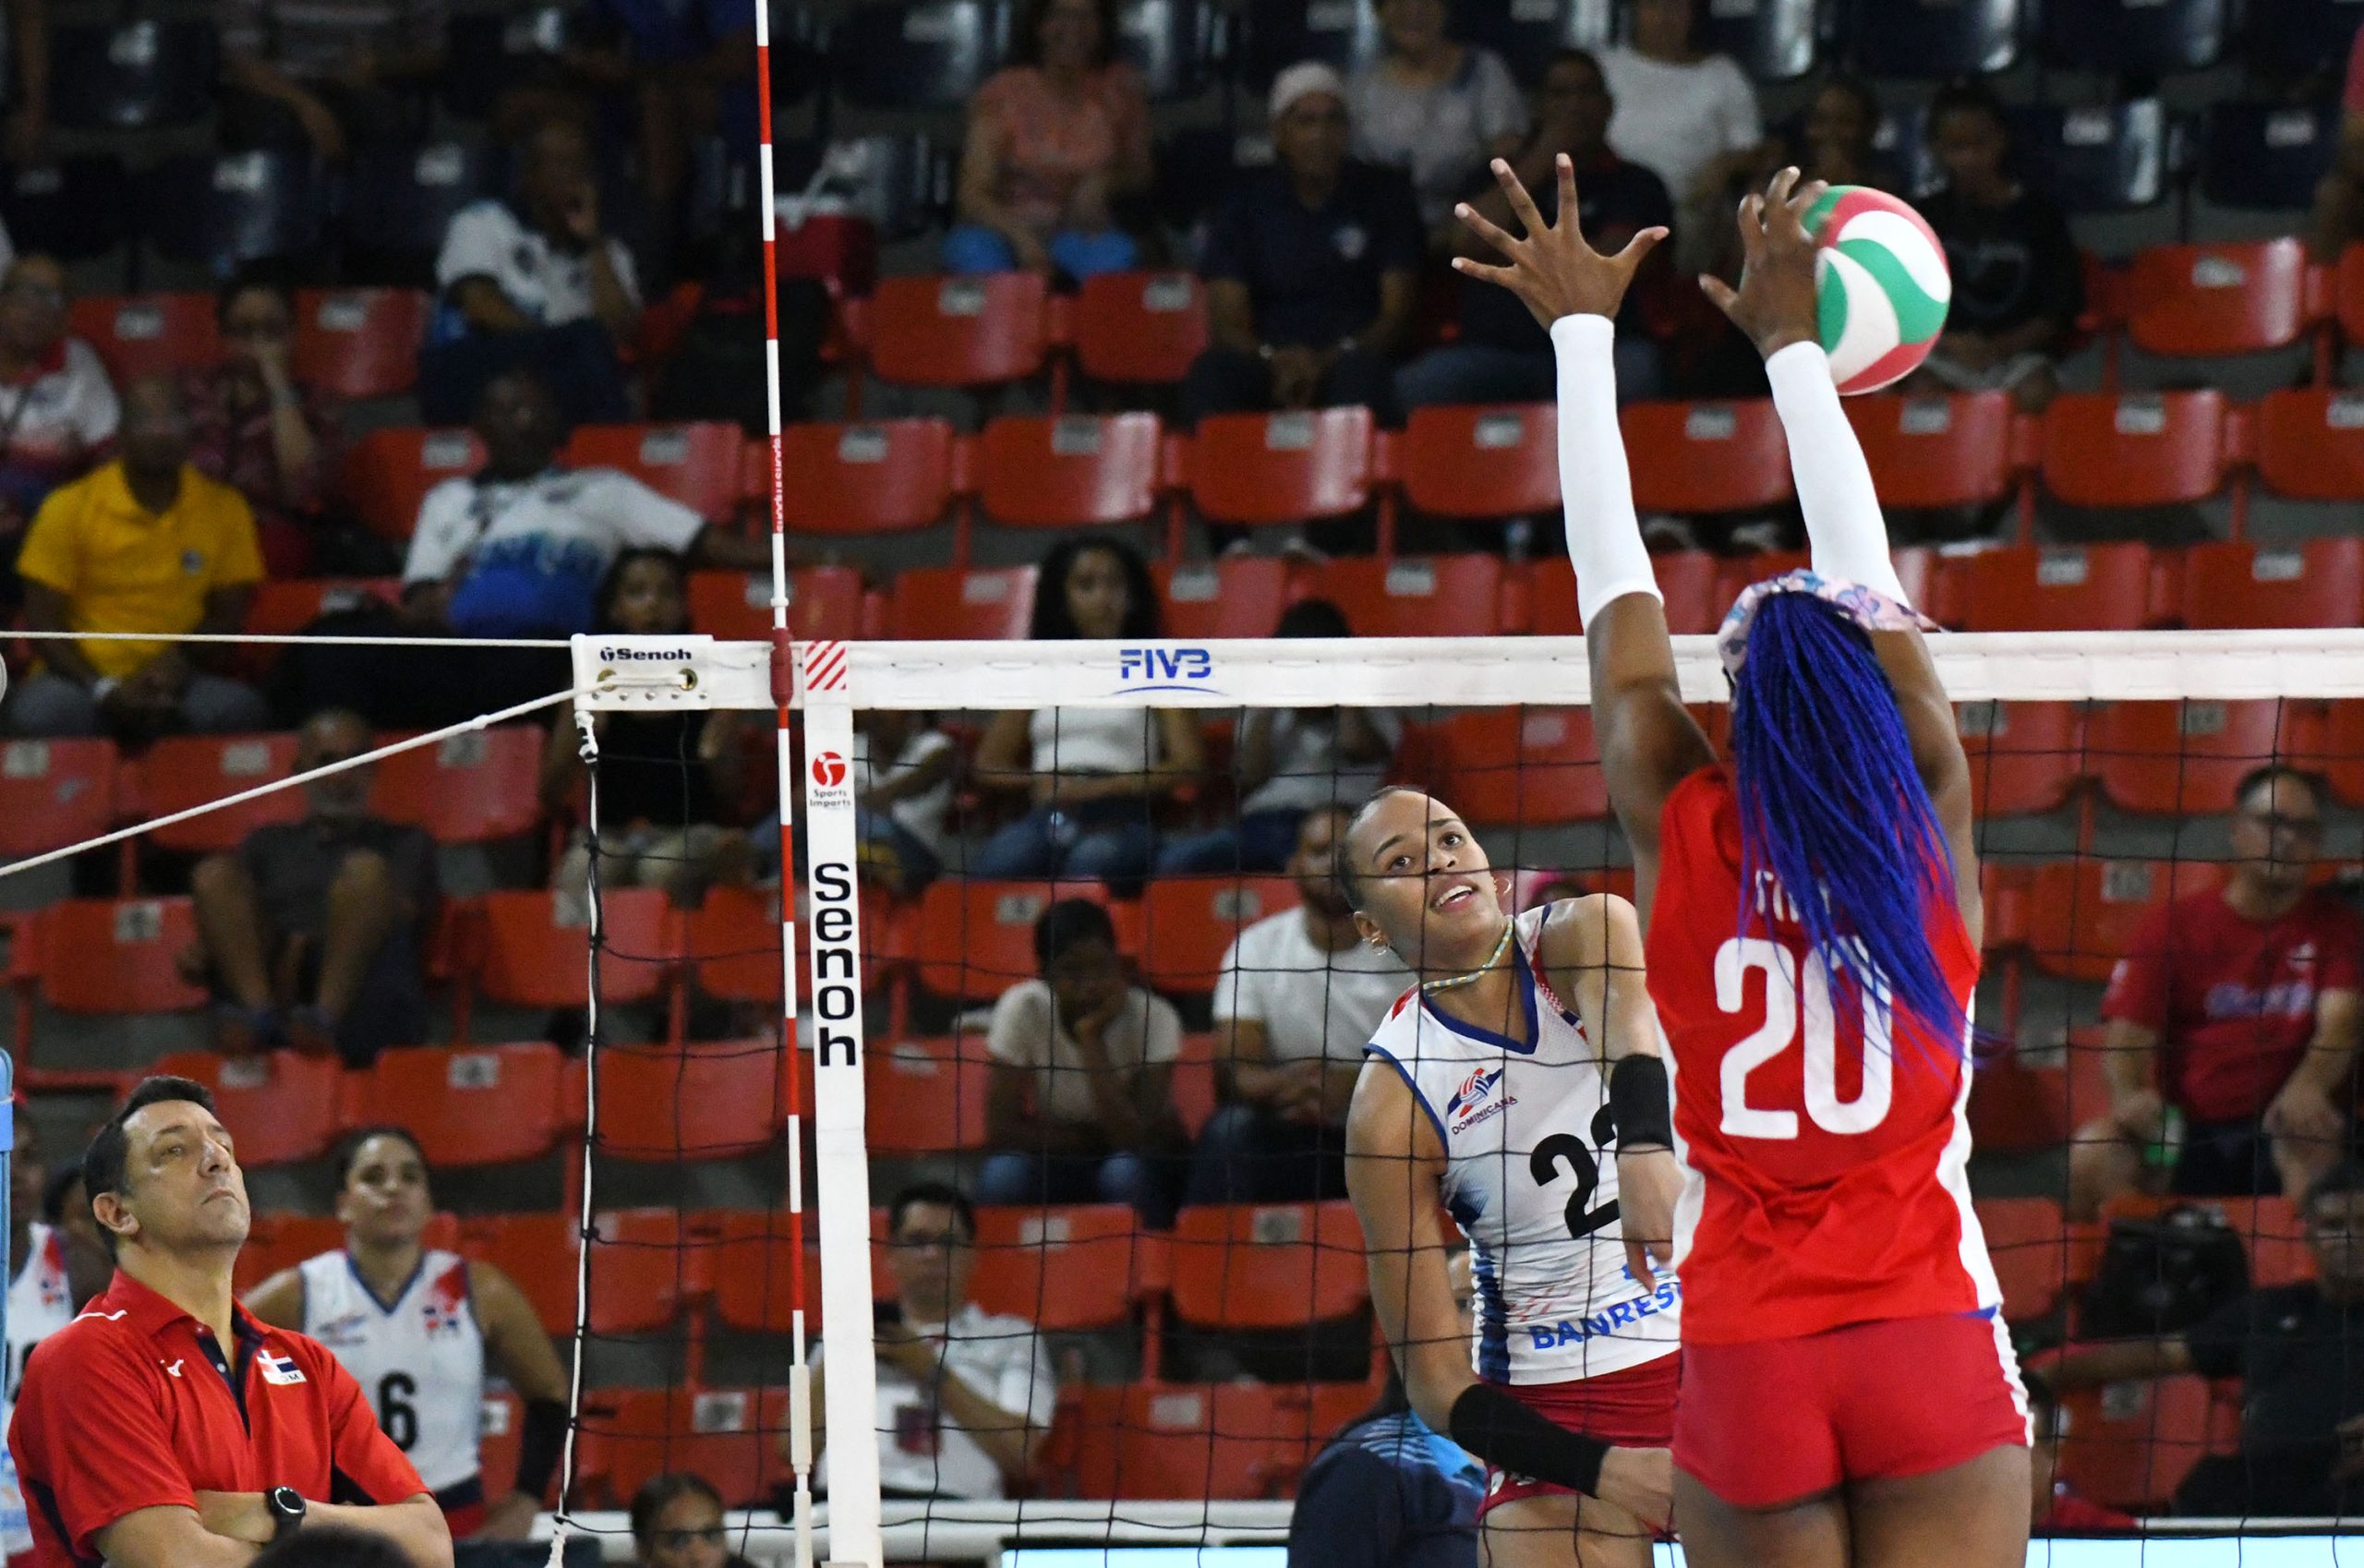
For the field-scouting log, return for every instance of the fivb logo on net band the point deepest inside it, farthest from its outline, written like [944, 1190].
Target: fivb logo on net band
[1167, 668]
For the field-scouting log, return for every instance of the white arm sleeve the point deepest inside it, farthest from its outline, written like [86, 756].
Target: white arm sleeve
[1842, 510]
[1596, 490]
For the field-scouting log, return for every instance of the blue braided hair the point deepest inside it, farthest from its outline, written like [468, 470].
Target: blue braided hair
[1832, 806]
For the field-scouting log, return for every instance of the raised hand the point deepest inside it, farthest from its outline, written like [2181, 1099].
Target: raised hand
[1776, 303]
[1553, 271]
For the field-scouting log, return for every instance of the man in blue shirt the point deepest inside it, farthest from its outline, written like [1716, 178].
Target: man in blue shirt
[1312, 270]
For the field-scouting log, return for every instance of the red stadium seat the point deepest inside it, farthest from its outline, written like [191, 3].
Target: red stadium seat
[824, 604]
[360, 343]
[1532, 767]
[891, 478]
[525, 958]
[2341, 755]
[958, 331]
[961, 602]
[276, 1242]
[1064, 1269]
[630, 1435]
[2204, 300]
[713, 1100]
[471, 788]
[2129, 1445]
[107, 956]
[53, 794]
[2309, 443]
[2185, 758]
[1267, 1266]
[1474, 461]
[2138, 448]
[935, 1089]
[143, 334]
[2347, 291]
[1414, 596]
[2082, 914]
[2276, 1237]
[387, 473]
[282, 1107]
[1140, 328]
[752, 1282]
[1686, 579]
[181, 771]
[471, 1104]
[731, 941]
[1074, 471]
[2230, 584]
[642, 1266]
[1192, 1440]
[1239, 596]
[2028, 1239]
[974, 939]
[696, 465]
[2025, 758]
[1197, 1091]
[1936, 452]
[1735, 576]
[1282, 468]
[2080, 588]
[1701, 457]
[1186, 923]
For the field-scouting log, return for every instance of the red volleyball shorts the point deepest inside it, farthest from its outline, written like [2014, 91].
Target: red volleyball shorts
[1633, 1408]
[1779, 1420]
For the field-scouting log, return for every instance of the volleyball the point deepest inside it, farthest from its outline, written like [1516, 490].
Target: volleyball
[1881, 273]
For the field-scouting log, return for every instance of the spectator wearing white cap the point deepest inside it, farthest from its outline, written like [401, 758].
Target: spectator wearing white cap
[1312, 269]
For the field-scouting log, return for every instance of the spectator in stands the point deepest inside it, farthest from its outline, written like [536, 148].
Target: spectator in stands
[2293, 1347]
[1390, 1491]
[1435, 108]
[1298, 998]
[2339, 198]
[538, 284]
[904, 771]
[1287, 762]
[2019, 284]
[256, 428]
[313, 934]
[57, 409]
[2056, 1508]
[331, 75]
[965, 1397]
[1502, 354]
[66, 1208]
[1080, 1108]
[688, 70]
[669, 783]
[677, 1522]
[1687, 115]
[1093, 776]
[1312, 269]
[2236, 1010]
[1058, 140]
[1838, 140]
[145, 544]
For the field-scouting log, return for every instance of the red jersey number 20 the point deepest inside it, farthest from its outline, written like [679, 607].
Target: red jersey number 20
[1783, 989]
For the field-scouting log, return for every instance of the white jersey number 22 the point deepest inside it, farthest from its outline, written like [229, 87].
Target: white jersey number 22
[1783, 988]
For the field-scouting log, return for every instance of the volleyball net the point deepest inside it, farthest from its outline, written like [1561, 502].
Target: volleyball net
[1167, 1303]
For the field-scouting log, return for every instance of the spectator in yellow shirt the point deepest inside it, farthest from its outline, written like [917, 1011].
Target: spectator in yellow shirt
[144, 544]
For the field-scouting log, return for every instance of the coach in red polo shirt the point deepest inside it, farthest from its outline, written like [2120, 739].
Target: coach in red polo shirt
[2237, 1007]
[164, 1428]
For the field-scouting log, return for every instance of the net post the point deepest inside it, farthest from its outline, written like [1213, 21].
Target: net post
[841, 1153]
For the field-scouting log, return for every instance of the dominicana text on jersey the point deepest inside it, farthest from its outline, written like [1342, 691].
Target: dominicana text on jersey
[1531, 1178]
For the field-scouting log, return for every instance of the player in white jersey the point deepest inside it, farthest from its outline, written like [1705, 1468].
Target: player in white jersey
[41, 1302]
[419, 1329]
[1544, 1132]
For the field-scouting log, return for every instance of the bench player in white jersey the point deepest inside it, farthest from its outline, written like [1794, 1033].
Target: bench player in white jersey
[417, 1328]
[41, 1302]
[1545, 1132]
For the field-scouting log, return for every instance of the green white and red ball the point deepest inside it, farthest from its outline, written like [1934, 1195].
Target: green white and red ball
[1881, 282]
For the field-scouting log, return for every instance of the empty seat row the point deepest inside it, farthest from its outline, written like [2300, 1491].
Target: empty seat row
[350, 342]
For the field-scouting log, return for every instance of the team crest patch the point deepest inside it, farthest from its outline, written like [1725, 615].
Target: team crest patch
[447, 1302]
[280, 1370]
[1473, 1103]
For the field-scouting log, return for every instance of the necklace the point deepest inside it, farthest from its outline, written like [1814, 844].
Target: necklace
[1492, 959]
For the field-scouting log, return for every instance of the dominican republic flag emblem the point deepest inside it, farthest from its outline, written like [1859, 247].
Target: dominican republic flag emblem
[280, 1370]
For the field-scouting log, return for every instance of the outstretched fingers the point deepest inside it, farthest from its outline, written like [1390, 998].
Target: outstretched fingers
[1485, 228]
[1522, 204]
[1640, 246]
[1485, 274]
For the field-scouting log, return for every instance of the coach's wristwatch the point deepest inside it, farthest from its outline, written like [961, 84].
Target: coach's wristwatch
[286, 1505]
